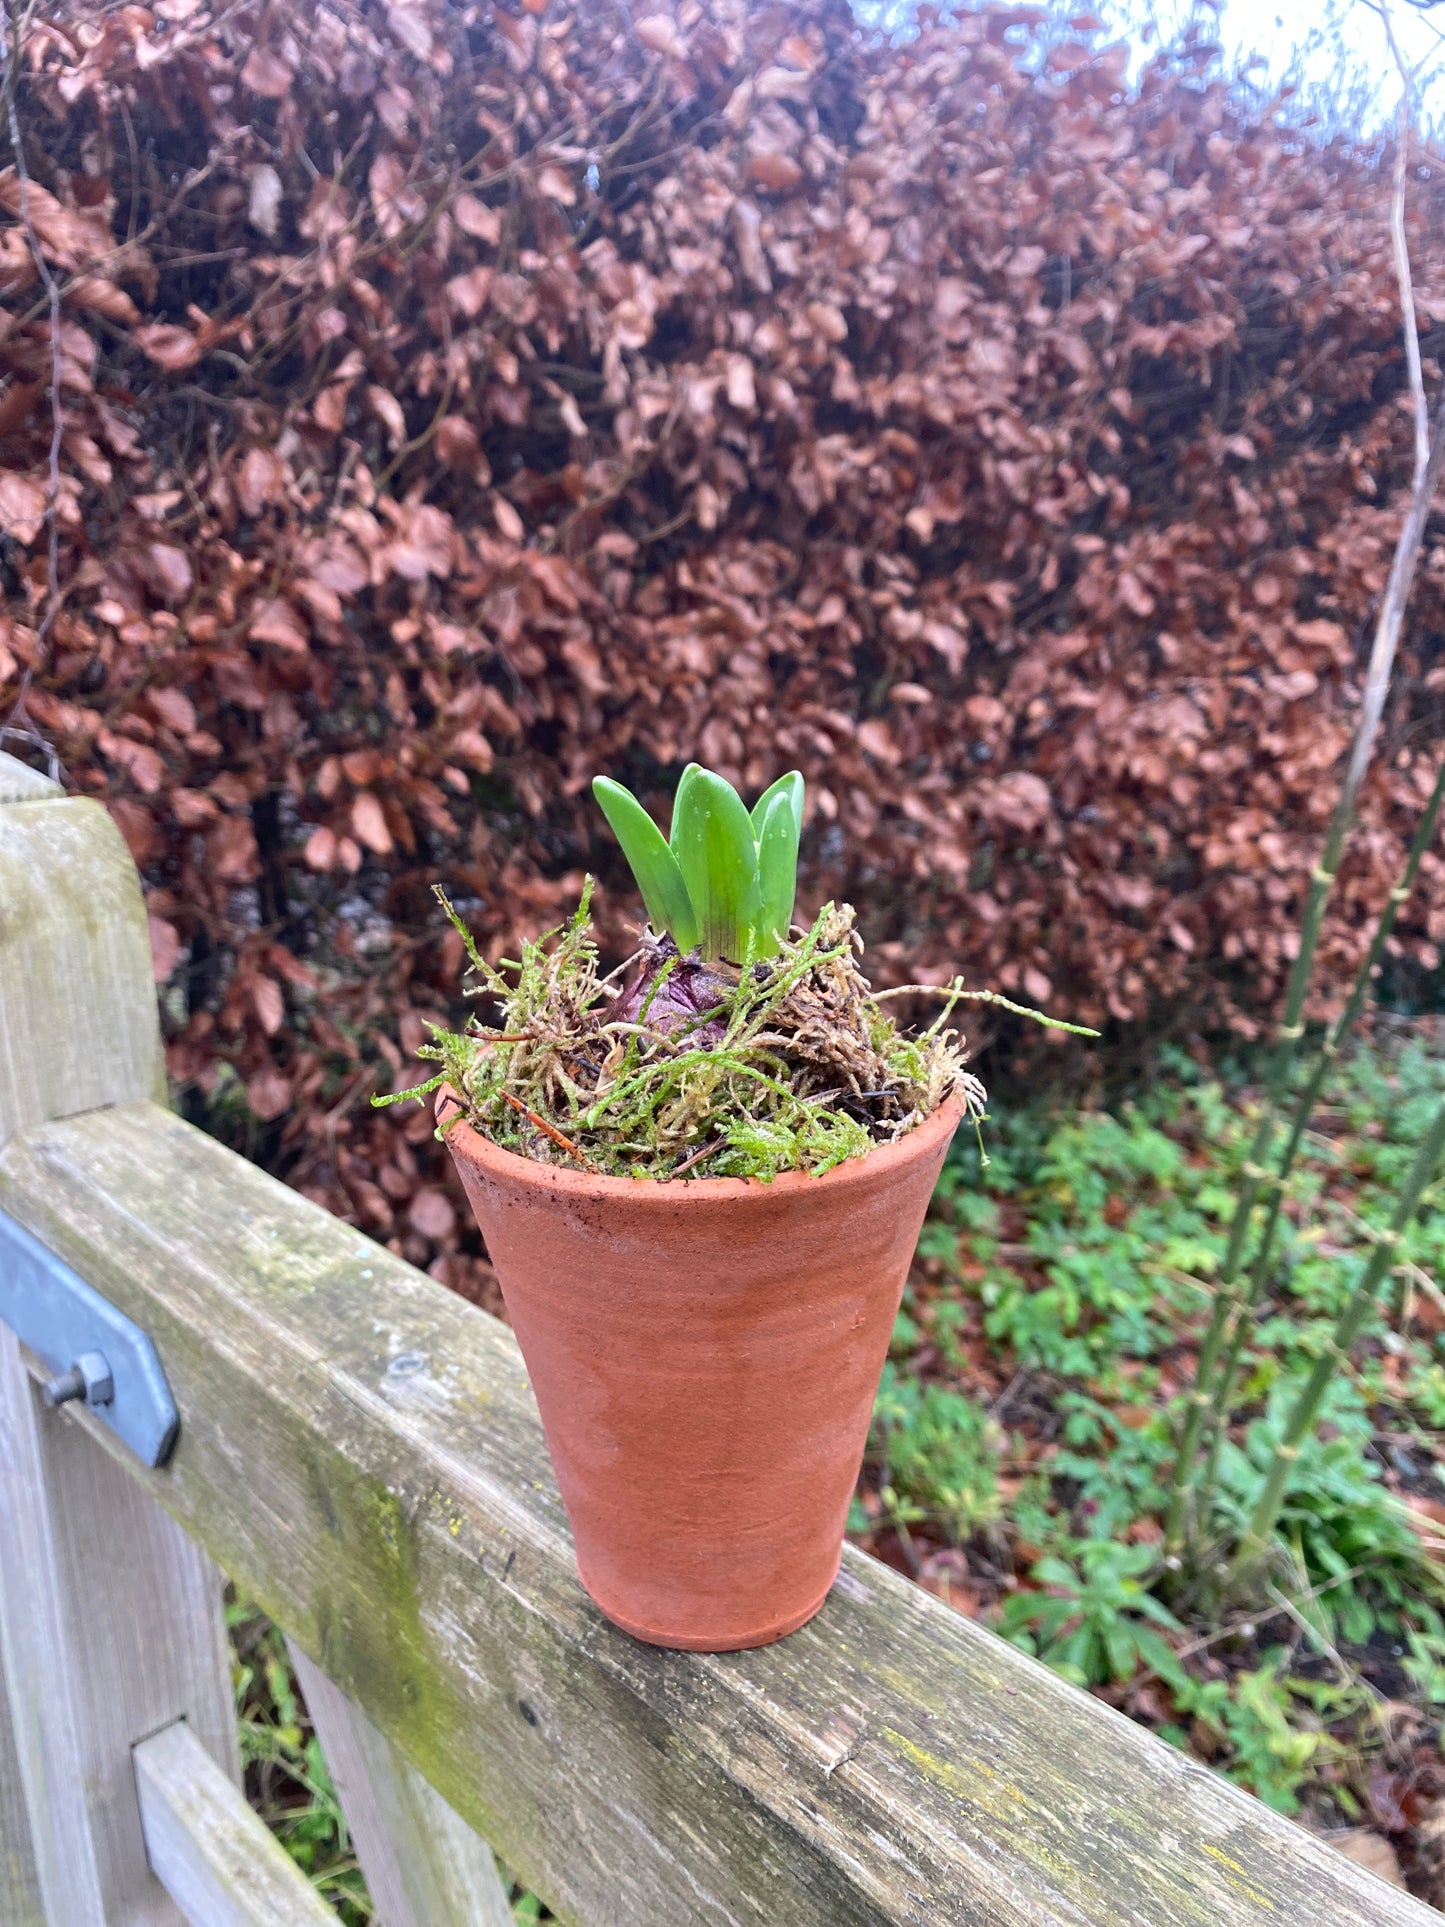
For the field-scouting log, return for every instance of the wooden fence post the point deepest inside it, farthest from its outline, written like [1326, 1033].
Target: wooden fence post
[110, 1616]
[19, 1882]
[424, 1866]
[110, 1619]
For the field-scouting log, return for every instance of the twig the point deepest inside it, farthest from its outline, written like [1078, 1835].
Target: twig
[1240, 1307]
[1304, 1413]
[1348, 1677]
[1244, 1627]
[1008, 1391]
[1428, 458]
[703, 1151]
[1418, 1277]
[1224, 1338]
[562, 1142]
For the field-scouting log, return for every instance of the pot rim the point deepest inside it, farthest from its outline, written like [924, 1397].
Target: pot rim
[572, 1182]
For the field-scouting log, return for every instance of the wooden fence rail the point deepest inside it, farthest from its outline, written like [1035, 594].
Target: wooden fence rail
[359, 1450]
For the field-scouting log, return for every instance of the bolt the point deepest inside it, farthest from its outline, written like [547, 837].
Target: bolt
[69, 1385]
[89, 1378]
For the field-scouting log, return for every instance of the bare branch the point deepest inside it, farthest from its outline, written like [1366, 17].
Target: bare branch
[1428, 458]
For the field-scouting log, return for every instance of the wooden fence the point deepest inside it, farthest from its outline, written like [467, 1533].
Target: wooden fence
[359, 1450]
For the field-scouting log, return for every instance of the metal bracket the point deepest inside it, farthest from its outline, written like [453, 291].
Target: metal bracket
[95, 1354]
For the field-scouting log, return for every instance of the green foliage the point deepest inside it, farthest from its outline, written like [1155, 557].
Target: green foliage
[655, 868]
[939, 1452]
[1096, 1619]
[1076, 1271]
[1272, 1739]
[778, 825]
[724, 882]
[1097, 1291]
[1338, 1521]
[286, 1777]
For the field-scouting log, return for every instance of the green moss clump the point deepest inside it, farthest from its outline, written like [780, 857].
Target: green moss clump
[786, 1065]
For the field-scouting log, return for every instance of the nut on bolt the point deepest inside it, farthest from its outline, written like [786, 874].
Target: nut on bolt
[89, 1378]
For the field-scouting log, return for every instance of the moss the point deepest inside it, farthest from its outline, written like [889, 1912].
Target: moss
[689, 1070]
[368, 1610]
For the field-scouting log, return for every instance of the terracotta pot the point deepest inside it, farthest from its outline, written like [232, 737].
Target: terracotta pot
[705, 1355]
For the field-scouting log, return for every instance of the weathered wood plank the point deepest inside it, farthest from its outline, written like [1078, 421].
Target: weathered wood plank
[216, 1858]
[424, 1866]
[361, 1450]
[110, 1624]
[21, 784]
[19, 1883]
[78, 1024]
[110, 1614]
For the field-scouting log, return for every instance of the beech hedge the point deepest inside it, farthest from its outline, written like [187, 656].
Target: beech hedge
[458, 400]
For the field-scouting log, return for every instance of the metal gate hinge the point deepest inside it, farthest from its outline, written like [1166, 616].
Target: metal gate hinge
[94, 1353]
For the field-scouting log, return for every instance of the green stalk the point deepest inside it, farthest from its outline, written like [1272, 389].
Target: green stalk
[1228, 1304]
[1305, 1415]
[1228, 1301]
[1299, 1123]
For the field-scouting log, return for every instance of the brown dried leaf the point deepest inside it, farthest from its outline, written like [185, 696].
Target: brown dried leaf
[433, 1214]
[268, 1093]
[269, 1003]
[172, 348]
[22, 506]
[369, 823]
[166, 948]
[474, 217]
[266, 73]
[260, 480]
[277, 621]
[102, 297]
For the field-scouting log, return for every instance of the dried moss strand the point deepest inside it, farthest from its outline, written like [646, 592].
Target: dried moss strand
[809, 1071]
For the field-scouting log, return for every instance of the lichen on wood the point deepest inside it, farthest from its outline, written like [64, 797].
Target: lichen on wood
[891, 1763]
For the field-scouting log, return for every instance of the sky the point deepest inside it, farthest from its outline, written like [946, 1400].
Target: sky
[1332, 39]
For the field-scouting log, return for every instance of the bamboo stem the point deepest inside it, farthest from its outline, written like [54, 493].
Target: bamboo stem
[1306, 1410]
[1229, 1304]
[1299, 1123]
[1214, 1384]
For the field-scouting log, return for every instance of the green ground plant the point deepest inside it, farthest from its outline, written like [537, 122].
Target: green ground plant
[1038, 1367]
[286, 1777]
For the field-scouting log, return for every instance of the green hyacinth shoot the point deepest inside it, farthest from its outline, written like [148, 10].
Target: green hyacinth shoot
[723, 883]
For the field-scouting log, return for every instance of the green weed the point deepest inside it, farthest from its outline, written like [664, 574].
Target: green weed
[1030, 1409]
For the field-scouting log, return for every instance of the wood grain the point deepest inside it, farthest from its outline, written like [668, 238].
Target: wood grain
[78, 1024]
[19, 1882]
[424, 1866]
[361, 1450]
[110, 1614]
[216, 1858]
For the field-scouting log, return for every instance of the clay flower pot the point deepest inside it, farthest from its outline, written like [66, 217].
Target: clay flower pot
[705, 1355]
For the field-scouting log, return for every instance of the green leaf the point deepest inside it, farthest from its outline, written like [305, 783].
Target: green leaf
[669, 906]
[712, 839]
[777, 870]
[790, 786]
